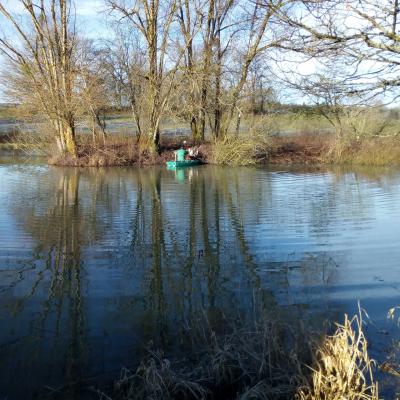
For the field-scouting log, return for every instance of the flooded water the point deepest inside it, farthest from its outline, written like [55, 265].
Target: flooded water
[95, 264]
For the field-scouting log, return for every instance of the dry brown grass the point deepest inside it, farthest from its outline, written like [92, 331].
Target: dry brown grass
[155, 379]
[124, 150]
[267, 360]
[326, 149]
[233, 150]
[257, 361]
[300, 149]
[118, 150]
[30, 142]
[342, 368]
[368, 151]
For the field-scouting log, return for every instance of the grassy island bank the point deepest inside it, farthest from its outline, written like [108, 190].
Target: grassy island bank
[303, 149]
[289, 135]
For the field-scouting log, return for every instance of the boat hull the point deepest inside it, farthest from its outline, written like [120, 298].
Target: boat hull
[182, 164]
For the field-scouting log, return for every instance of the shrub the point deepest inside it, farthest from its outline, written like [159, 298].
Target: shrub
[235, 150]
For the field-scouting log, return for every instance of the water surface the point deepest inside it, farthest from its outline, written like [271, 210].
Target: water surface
[95, 263]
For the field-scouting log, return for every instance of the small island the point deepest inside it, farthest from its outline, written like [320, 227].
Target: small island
[199, 199]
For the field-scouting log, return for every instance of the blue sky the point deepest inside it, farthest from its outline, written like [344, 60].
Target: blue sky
[90, 13]
[92, 17]
[87, 10]
[92, 20]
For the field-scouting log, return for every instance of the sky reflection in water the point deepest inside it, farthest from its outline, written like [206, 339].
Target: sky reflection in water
[95, 263]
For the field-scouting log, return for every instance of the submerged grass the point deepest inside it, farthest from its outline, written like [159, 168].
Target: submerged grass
[267, 360]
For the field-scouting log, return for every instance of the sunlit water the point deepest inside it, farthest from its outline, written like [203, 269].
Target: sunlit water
[96, 263]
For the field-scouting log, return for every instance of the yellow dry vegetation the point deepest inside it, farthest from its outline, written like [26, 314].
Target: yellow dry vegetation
[342, 368]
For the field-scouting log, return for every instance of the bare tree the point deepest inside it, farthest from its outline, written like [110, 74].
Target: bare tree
[190, 24]
[44, 61]
[92, 88]
[262, 35]
[204, 23]
[261, 93]
[364, 33]
[227, 33]
[125, 62]
[153, 19]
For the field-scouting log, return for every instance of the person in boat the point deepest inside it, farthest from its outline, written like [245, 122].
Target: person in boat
[180, 154]
[193, 153]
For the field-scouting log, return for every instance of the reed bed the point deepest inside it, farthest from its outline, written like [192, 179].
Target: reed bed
[266, 360]
[341, 367]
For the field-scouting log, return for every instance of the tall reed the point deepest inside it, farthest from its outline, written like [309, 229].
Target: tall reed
[270, 360]
[341, 367]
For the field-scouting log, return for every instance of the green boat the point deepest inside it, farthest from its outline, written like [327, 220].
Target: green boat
[182, 164]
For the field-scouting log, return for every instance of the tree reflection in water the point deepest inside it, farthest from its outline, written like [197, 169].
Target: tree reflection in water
[120, 257]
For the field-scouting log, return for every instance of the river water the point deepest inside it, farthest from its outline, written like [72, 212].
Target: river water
[96, 263]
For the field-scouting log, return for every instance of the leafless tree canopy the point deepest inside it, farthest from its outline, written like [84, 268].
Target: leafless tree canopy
[44, 60]
[202, 62]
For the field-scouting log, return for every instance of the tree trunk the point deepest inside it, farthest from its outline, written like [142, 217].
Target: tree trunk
[238, 121]
[154, 75]
[217, 102]
[206, 67]
[69, 138]
[252, 52]
[101, 122]
[156, 137]
[195, 129]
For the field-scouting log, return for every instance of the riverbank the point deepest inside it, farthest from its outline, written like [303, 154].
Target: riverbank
[268, 359]
[296, 150]
[317, 149]
[302, 149]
